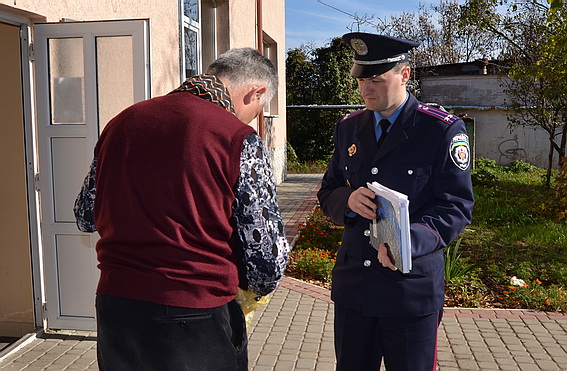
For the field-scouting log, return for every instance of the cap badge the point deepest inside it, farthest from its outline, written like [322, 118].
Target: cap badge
[352, 150]
[359, 46]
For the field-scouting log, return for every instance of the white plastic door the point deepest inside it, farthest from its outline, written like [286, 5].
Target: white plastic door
[86, 72]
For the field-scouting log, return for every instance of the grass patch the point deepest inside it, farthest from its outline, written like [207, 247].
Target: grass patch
[510, 240]
[308, 167]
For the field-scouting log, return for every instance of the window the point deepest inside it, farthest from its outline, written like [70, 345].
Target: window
[190, 20]
[269, 49]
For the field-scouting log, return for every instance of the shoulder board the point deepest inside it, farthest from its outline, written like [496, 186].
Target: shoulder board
[444, 116]
[351, 115]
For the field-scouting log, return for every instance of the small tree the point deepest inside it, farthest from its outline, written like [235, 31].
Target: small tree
[533, 36]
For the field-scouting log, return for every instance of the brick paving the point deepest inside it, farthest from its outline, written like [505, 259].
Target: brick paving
[295, 330]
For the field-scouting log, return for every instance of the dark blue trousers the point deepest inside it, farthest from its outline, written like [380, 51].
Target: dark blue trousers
[136, 335]
[405, 344]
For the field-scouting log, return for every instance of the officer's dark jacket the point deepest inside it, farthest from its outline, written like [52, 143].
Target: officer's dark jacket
[415, 159]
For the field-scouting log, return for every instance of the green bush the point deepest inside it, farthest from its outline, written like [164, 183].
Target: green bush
[485, 163]
[534, 295]
[519, 166]
[315, 250]
[291, 155]
[483, 177]
[313, 264]
[466, 291]
[319, 232]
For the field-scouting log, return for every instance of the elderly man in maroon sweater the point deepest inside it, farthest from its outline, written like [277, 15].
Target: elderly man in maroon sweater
[183, 197]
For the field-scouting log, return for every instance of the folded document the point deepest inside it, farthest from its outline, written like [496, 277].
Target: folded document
[392, 225]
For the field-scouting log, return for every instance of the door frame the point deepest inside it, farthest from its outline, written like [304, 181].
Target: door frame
[28, 104]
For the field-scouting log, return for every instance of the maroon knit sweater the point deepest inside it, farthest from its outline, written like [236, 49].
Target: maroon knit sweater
[165, 180]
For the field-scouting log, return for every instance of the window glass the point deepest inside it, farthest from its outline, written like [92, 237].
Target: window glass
[66, 72]
[115, 87]
[191, 9]
[190, 48]
[190, 52]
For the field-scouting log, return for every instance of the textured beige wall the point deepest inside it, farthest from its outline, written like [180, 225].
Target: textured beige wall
[164, 30]
[16, 296]
[236, 27]
[243, 33]
[273, 23]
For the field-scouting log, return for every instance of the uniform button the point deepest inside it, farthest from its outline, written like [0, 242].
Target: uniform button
[367, 263]
[346, 167]
[374, 170]
[410, 172]
[367, 232]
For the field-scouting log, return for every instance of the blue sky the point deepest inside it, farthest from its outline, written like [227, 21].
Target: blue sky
[311, 21]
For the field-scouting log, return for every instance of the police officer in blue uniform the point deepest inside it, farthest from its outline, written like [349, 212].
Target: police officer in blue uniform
[413, 148]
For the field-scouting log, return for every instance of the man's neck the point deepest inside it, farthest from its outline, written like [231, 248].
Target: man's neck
[403, 99]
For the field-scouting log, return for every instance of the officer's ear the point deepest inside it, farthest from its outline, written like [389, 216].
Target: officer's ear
[406, 74]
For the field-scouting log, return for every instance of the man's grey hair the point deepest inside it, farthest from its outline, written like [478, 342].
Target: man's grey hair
[246, 66]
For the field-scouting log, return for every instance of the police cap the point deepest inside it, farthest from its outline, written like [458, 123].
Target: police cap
[376, 54]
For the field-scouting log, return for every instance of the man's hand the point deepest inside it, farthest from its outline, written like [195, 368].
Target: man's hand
[384, 257]
[361, 202]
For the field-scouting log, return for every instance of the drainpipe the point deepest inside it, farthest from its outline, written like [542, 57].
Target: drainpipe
[214, 28]
[261, 49]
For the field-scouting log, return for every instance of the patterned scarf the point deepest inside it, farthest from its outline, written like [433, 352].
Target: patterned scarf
[208, 87]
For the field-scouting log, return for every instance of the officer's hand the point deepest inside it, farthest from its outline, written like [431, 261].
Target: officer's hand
[384, 257]
[361, 202]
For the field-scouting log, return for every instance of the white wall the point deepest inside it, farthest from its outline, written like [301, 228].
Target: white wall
[482, 98]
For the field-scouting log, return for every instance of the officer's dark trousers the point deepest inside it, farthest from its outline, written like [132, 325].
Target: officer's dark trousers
[136, 335]
[405, 344]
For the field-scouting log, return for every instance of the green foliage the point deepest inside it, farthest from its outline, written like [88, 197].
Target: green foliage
[319, 232]
[533, 40]
[488, 163]
[534, 295]
[313, 264]
[484, 174]
[291, 155]
[519, 166]
[455, 265]
[467, 291]
[484, 177]
[555, 207]
[300, 77]
[307, 167]
[315, 251]
[318, 77]
[294, 166]
[509, 238]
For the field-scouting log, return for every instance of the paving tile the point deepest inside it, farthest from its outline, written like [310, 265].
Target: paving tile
[295, 330]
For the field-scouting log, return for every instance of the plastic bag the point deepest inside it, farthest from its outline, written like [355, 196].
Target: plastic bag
[250, 301]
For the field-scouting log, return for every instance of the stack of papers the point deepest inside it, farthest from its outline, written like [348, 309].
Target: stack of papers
[392, 225]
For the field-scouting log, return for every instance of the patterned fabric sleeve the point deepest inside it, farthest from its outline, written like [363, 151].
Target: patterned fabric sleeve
[84, 204]
[258, 219]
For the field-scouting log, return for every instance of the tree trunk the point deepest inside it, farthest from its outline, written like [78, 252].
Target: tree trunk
[563, 142]
[549, 163]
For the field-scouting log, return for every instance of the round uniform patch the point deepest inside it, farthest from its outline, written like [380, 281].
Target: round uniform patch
[460, 152]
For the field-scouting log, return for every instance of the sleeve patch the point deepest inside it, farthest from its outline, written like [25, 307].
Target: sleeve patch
[444, 116]
[460, 152]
